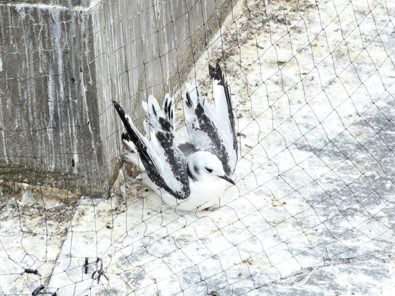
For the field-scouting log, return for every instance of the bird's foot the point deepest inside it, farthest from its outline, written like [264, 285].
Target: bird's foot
[212, 208]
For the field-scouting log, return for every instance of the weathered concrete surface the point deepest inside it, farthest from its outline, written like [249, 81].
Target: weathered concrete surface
[48, 104]
[64, 3]
[62, 62]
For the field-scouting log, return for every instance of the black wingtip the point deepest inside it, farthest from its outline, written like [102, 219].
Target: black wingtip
[169, 108]
[188, 100]
[130, 135]
[215, 72]
[166, 103]
[153, 109]
[118, 108]
[126, 137]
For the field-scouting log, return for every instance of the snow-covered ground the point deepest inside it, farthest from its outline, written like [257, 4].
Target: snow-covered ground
[313, 210]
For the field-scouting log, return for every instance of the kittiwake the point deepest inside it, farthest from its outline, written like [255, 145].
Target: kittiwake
[192, 175]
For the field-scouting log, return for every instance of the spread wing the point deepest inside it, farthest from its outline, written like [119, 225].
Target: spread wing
[165, 164]
[212, 128]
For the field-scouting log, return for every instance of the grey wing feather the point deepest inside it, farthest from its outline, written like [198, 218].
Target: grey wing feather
[212, 129]
[186, 148]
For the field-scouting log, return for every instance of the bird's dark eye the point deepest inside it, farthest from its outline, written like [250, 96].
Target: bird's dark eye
[209, 170]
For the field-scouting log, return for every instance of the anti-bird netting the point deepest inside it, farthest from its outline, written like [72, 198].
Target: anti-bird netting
[312, 212]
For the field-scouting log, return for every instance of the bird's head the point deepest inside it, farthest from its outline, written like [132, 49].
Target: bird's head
[205, 164]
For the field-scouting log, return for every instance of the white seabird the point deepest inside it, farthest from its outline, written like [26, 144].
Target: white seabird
[193, 175]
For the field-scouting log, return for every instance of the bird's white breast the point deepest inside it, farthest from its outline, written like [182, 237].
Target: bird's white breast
[204, 193]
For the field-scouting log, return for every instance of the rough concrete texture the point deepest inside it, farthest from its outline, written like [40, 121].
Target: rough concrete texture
[313, 209]
[62, 62]
[49, 119]
[64, 3]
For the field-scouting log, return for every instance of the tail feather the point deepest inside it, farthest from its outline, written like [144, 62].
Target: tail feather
[145, 106]
[157, 116]
[190, 99]
[147, 128]
[193, 94]
[168, 108]
[153, 106]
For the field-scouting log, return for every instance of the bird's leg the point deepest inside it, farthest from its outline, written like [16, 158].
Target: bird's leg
[212, 208]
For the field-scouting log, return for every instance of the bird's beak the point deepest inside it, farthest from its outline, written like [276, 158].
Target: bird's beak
[228, 179]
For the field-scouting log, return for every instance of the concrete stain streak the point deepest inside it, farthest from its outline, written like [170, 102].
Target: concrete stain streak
[23, 5]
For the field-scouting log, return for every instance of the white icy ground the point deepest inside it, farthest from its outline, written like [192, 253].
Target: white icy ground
[313, 210]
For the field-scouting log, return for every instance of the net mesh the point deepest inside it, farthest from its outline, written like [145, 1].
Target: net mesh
[312, 211]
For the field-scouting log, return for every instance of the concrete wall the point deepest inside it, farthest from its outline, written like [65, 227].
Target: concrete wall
[61, 64]
[48, 119]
